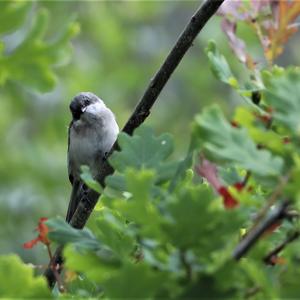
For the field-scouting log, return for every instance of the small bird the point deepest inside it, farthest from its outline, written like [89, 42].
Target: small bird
[92, 133]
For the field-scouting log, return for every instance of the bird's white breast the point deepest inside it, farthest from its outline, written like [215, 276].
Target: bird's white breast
[91, 138]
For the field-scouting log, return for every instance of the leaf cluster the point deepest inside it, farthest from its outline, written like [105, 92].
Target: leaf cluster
[160, 229]
[32, 61]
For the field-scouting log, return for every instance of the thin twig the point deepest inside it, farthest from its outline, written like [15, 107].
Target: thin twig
[272, 199]
[250, 239]
[268, 258]
[185, 41]
[246, 178]
[56, 271]
[49, 251]
[141, 112]
[56, 260]
[57, 275]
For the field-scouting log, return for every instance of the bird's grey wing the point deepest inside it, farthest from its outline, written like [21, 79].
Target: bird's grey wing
[76, 195]
[76, 184]
[71, 176]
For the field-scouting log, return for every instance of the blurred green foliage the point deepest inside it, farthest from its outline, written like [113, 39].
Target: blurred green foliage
[117, 51]
[44, 61]
[149, 241]
[18, 280]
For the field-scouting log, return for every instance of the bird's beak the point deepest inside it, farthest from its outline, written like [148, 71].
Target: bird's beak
[83, 109]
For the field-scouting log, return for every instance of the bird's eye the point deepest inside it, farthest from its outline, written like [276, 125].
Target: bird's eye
[87, 102]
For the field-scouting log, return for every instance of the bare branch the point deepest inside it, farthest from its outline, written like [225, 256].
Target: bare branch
[142, 111]
[272, 199]
[250, 239]
[184, 42]
[268, 259]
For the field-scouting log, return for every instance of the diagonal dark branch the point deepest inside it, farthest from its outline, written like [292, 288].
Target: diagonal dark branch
[141, 112]
[250, 239]
[184, 42]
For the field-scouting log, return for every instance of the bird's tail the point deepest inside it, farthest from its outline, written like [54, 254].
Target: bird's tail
[74, 199]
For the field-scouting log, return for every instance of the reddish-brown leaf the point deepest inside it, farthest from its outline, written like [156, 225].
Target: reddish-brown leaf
[228, 200]
[43, 230]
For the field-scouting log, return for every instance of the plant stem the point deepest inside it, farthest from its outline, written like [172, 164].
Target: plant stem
[268, 258]
[251, 238]
[49, 251]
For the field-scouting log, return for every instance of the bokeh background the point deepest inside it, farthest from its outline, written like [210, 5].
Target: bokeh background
[118, 49]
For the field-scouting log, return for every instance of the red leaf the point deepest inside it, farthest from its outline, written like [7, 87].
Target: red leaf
[271, 229]
[276, 260]
[239, 186]
[30, 244]
[265, 118]
[43, 230]
[237, 45]
[208, 170]
[228, 200]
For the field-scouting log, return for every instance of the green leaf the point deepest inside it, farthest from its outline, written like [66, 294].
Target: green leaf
[79, 287]
[18, 280]
[139, 208]
[219, 65]
[115, 182]
[222, 71]
[88, 179]
[260, 134]
[62, 233]
[205, 218]
[192, 202]
[32, 61]
[134, 281]
[261, 277]
[111, 229]
[223, 142]
[142, 151]
[183, 166]
[97, 267]
[118, 281]
[283, 95]
[13, 14]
